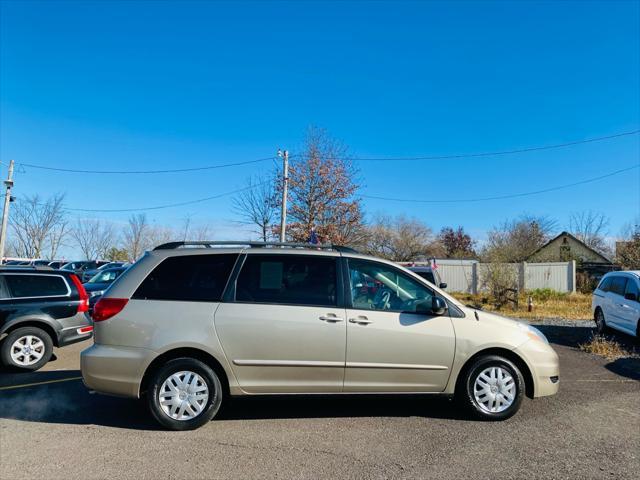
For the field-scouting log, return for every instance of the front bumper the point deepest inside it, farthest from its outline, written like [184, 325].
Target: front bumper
[113, 369]
[544, 364]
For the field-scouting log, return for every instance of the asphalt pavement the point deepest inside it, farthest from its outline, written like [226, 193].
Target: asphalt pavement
[52, 427]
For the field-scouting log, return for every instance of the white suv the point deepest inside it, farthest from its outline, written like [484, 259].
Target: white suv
[616, 302]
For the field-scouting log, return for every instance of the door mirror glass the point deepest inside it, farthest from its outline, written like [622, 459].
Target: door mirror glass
[438, 306]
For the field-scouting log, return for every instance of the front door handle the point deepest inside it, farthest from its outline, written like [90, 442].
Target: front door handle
[331, 318]
[361, 320]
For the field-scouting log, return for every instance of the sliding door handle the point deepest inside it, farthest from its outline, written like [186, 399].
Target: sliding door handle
[331, 318]
[361, 320]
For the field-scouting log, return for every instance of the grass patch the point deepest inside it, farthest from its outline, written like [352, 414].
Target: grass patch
[599, 345]
[547, 303]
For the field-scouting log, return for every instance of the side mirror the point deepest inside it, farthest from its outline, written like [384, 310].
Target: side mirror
[443, 285]
[631, 296]
[438, 306]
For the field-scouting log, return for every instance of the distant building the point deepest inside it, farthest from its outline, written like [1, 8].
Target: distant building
[566, 247]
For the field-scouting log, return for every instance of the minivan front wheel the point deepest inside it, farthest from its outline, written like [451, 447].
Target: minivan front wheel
[601, 324]
[493, 388]
[184, 394]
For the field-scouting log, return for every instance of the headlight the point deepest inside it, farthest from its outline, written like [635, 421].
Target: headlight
[533, 332]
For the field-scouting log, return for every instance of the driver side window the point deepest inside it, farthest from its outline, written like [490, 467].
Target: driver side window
[376, 286]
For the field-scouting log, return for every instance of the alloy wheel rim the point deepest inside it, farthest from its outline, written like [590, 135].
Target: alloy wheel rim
[494, 389]
[27, 350]
[600, 320]
[183, 395]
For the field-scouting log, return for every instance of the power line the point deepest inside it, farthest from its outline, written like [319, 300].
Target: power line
[375, 197]
[486, 154]
[160, 207]
[358, 159]
[502, 197]
[127, 172]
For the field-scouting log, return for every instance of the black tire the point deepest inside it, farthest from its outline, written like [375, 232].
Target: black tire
[601, 324]
[34, 333]
[207, 375]
[466, 390]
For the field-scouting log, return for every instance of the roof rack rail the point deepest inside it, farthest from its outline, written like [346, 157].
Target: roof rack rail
[27, 267]
[254, 244]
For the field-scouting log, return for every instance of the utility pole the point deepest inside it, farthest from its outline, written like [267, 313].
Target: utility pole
[285, 183]
[5, 211]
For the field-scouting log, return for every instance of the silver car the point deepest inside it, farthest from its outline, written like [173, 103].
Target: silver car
[185, 327]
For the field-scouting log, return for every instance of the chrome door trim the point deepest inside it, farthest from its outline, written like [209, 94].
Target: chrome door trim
[286, 363]
[404, 366]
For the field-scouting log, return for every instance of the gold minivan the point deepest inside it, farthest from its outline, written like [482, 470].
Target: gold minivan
[193, 322]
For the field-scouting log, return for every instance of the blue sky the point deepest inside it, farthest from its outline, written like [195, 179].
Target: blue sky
[150, 85]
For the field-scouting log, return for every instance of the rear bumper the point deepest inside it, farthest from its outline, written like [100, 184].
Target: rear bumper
[72, 335]
[74, 329]
[114, 370]
[544, 364]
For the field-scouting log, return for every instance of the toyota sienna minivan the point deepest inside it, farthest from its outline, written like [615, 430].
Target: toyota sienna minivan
[194, 322]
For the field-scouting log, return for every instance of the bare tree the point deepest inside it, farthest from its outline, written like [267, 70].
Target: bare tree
[628, 251]
[322, 189]
[400, 239]
[135, 236]
[515, 240]
[195, 232]
[57, 237]
[93, 237]
[37, 225]
[157, 235]
[591, 228]
[257, 205]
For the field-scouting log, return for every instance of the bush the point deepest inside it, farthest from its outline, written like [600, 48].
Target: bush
[546, 294]
[599, 345]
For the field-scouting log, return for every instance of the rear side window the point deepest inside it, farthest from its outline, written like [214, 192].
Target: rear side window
[288, 279]
[632, 288]
[618, 284]
[24, 285]
[191, 278]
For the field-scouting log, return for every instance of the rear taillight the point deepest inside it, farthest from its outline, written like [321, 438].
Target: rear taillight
[107, 308]
[84, 298]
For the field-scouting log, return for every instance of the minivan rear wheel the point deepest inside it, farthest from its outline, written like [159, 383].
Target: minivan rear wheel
[26, 348]
[184, 394]
[492, 388]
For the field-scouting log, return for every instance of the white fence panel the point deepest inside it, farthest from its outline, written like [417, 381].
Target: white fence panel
[470, 276]
[556, 276]
[457, 274]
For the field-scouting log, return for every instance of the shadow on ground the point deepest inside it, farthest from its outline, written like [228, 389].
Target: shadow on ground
[65, 399]
[69, 402]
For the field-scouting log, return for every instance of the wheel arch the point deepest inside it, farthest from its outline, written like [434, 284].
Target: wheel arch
[502, 352]
[33, 322]
[190, 352]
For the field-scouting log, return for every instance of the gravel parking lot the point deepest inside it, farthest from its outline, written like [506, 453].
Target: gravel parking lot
[591, 429]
